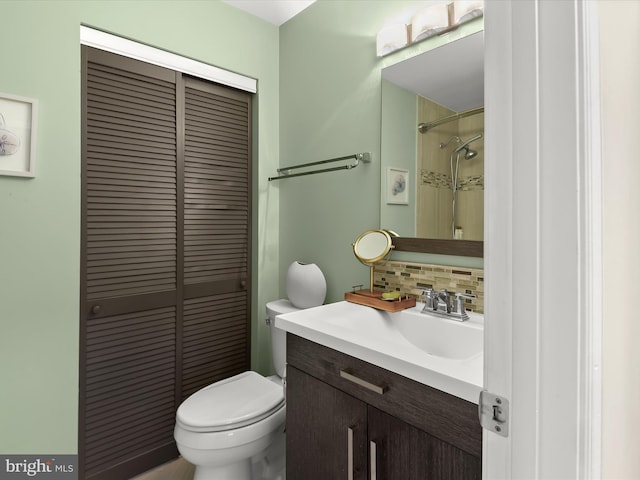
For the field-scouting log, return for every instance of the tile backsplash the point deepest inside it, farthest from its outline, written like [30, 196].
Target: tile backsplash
[413, 278]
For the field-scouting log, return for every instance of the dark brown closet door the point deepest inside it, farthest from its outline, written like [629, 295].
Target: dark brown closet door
[165, 255]
[129, 307]
[216, 233]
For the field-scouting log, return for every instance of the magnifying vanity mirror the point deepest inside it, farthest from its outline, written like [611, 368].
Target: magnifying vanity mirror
[371, 247]
[432, 132]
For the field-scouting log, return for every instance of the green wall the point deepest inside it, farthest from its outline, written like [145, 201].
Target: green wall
[330, 94]
[40, 232]
[398, 146]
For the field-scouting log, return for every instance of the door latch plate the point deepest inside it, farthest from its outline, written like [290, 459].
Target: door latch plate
[493, 411]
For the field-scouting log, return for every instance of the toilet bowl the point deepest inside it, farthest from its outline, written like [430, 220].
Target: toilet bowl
[221, 434]
[234, 429]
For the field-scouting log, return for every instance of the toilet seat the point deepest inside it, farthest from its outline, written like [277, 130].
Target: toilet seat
[232, 403]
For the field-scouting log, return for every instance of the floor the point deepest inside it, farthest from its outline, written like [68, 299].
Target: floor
[270, 464]
[178, 469]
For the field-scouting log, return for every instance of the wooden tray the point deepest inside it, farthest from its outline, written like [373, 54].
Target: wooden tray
[374, 299]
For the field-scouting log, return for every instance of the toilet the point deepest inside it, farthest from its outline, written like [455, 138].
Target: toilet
[234, 429]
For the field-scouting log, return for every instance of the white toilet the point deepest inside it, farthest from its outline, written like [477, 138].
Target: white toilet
[234, 429]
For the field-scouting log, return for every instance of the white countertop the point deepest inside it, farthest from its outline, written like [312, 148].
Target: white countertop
[370, 335]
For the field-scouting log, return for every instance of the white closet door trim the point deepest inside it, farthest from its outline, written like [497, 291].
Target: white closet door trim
[128, 48]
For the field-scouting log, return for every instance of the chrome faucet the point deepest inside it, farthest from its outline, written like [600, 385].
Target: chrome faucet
[440, 304]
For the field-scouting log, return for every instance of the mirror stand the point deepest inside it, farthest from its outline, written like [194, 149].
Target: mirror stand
[369, 248]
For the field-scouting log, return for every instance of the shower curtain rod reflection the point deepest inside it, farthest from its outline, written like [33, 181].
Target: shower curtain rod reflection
[425, 127]
[364, 157]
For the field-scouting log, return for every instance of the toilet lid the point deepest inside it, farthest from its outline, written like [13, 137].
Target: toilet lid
[231, 403]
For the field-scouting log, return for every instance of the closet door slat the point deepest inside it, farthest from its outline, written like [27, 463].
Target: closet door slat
[129, 387]
[111, 93]
[214, 340]
[217, 187]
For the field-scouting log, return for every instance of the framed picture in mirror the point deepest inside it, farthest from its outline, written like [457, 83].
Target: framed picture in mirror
[397, 186]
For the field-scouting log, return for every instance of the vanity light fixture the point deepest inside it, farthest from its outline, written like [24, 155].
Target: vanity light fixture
[391, 38]
[465, 10]
[429, 22]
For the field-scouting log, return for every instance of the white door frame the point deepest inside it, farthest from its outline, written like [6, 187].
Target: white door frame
[543, 233]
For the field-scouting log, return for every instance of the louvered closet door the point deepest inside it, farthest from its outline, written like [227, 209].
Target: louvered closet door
[165, 255]
[130, 226]
[216, 232]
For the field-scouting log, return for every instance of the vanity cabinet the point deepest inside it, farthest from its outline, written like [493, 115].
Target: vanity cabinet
[326, 430]
[349, 419]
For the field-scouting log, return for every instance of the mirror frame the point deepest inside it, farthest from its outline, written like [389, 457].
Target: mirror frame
[464, 248]
[370, 261]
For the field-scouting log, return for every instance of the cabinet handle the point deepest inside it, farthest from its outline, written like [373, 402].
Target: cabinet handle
[372, 460]
[350, 453]
[363, 383]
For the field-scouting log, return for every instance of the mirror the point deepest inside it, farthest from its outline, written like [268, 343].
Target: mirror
[443, 162]
[371, 247]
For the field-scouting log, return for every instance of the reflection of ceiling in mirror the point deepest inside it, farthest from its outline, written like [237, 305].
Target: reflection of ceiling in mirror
[451, 75]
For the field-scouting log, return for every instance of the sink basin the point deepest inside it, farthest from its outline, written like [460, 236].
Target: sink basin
[441, 336]
[437, 351]
[431, 333]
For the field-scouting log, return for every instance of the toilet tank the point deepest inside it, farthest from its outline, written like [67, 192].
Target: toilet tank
[278, 337]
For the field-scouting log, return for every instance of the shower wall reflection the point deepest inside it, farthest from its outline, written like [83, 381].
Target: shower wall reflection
[436, 170]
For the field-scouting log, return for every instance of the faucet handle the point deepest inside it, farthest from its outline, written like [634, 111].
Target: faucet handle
[430, 296]
[468, 295]
[458, 304]
[465, 295]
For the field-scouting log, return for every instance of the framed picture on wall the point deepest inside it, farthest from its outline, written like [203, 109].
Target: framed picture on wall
[397, 186]
[18, 120]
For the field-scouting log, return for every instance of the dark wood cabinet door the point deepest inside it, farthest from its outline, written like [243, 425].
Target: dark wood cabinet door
[326, 431]
[409, 432]
[401, 451]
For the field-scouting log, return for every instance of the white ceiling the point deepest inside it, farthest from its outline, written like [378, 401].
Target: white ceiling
[273, 11]
[451, 75]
